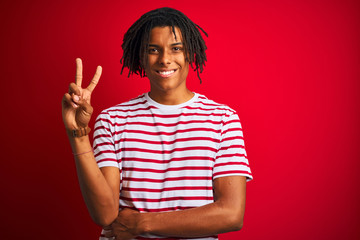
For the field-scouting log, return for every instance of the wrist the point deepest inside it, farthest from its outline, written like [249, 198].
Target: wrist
[78, 132]
[79, 144]
[143, 226]
[77, 140]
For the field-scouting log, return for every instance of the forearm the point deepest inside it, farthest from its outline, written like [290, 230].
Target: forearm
[211, 219]
[102, 205]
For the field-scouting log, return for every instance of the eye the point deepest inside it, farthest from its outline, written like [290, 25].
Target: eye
[176, 49]
[153, 50]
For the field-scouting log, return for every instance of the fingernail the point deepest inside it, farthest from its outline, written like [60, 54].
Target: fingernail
[76, 98]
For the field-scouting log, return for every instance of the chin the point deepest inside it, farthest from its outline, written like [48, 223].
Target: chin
[165, 84]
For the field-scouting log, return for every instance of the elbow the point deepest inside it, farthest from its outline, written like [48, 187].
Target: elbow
[236, 223]
[103, 213]
[234, 219]
[104, 220]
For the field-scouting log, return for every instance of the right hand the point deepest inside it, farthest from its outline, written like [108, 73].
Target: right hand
[76, 108]
[125, 226]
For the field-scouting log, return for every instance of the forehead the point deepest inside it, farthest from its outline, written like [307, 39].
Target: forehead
[165, 35]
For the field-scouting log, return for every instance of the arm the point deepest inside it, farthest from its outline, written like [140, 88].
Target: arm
[100, 188]
[224, 215]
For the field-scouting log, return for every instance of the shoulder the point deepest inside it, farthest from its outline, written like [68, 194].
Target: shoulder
[121, 111]
[205, 102]
[124, 107]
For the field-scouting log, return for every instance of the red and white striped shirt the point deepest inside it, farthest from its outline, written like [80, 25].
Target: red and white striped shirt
[169, 155]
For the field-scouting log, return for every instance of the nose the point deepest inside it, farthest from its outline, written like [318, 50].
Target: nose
[165, 58]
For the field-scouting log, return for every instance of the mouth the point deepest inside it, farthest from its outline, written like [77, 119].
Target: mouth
[167, 73]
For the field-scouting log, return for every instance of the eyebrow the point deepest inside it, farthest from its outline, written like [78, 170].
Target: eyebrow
[173, 44]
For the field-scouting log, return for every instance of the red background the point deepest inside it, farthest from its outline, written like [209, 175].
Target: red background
[290, 68]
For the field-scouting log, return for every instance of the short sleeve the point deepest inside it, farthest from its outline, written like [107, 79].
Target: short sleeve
[104, 147]
[231, 158]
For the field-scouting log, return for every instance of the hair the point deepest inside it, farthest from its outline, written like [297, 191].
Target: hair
[136, 40]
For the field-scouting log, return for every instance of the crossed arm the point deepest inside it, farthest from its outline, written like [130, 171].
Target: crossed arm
[224, 215]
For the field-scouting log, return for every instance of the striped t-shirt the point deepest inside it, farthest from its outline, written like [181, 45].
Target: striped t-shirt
[169, 155]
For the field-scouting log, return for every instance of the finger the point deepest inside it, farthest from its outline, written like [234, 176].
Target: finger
[67, 101]
[74, 89]
[108, 233]
[107, 227]
[83, 113]
[86, 108]
[95, 79]
[79, 71]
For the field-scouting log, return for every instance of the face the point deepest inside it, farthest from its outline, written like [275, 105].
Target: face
[166, 67]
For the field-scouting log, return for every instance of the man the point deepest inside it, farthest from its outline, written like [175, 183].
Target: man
[172, 159]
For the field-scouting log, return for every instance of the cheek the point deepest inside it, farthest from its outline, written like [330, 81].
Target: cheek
[150, 61]
[186, 67]
[181, 61]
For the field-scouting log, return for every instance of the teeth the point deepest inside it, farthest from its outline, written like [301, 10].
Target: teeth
[166, 72]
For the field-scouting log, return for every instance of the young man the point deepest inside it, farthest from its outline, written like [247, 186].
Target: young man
[167, 164]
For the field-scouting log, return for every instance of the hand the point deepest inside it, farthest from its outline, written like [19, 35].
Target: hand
[125, 226]
[76, 108]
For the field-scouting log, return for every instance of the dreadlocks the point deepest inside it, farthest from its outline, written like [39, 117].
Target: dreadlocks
[136, 39]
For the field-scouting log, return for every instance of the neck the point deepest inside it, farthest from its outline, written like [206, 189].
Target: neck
[171, 97]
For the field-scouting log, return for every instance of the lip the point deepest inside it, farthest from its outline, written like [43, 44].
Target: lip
[165, 70]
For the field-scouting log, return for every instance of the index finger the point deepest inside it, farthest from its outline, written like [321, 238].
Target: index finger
[79, 70]
[95, 79]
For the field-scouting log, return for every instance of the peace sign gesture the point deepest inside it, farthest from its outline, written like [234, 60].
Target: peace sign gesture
[76, 108]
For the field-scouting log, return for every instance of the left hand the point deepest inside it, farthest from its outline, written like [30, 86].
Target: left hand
[125, 226]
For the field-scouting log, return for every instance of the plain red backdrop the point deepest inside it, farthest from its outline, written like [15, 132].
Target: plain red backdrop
[290, 68]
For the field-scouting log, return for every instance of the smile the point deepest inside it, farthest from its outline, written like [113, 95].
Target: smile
[166, 73]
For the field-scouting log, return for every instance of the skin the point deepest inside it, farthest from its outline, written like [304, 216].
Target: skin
[167, 53]
[100, 187]
[224, 215]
